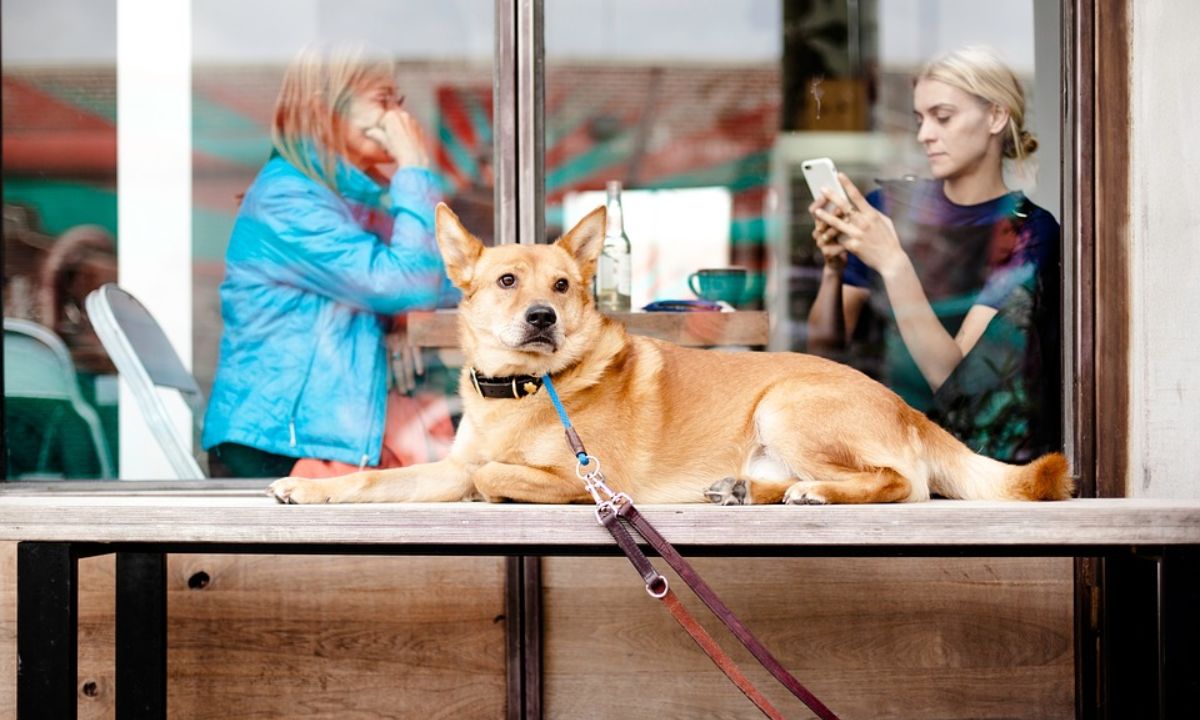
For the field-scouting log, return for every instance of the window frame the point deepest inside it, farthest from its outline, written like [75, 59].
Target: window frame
[1096, 122]
[1094, 65]
[1095, 170]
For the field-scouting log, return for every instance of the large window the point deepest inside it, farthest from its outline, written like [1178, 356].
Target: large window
[441, 55]
[705, 112]
[197, 85]
[60, 235]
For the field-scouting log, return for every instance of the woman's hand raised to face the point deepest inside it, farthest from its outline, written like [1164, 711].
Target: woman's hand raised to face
[402, 137]
[864, 231]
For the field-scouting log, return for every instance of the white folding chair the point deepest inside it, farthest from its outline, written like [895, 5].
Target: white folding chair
[145, 358]
[37, 364]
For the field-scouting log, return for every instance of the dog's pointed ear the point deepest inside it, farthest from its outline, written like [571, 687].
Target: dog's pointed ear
[460, 249]
[585, 240]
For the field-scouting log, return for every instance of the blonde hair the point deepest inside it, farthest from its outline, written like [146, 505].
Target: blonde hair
[979, 71]
[317, 87]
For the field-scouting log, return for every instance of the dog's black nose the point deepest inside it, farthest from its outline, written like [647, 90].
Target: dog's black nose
[540, 316]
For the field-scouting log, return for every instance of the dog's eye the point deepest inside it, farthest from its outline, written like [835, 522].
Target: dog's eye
[507, 280]
[561, 285]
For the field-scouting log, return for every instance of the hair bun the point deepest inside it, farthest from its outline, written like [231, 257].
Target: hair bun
[1029, 143]
[1019, 145]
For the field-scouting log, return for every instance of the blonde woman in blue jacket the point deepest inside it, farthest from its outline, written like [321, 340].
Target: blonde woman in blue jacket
[333, 237]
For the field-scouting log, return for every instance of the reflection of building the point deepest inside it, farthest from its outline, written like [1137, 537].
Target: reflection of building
[673, 232]
[666, 126]
[651, 126]
[60, 157]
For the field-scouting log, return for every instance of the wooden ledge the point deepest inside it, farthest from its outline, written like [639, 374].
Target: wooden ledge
[238, 512]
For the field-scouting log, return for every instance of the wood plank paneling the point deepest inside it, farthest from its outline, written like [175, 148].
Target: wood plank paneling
[97, 638]
[276, 637]
[301, 637]
[894, 638]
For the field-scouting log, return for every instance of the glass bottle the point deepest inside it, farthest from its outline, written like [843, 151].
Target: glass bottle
[614, 275]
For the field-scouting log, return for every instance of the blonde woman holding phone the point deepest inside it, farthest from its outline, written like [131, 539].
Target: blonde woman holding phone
[961, 272]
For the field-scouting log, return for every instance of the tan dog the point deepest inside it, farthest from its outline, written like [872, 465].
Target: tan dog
[669, 424]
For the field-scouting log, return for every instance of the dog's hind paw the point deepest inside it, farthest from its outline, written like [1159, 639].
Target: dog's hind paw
[728, 491]
[803, 493]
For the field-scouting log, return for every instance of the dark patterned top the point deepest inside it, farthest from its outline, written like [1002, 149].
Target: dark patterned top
[1003, 399]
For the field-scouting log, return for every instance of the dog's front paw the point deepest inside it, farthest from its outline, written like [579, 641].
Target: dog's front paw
[728, 491]
[298, 491]
[804, 493]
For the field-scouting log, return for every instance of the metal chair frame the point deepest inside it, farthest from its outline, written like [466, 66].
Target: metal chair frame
[146, 360]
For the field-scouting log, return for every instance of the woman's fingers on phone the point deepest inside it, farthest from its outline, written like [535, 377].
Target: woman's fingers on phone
[812, 210]
[837, 224]
[852, 190]
[837, 202]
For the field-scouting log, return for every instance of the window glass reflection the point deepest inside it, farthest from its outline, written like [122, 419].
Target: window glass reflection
[60, 229]
[60, 170]
[321, 153]
[706, 113]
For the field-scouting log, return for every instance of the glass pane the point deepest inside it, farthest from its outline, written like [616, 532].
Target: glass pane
[61, 62]
[681, 106]
[60, 229]
[706, 112]
[294, 305]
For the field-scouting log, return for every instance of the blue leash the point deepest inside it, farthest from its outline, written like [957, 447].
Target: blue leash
[572, 436]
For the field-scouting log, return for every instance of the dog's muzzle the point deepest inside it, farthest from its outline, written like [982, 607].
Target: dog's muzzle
[540, 321]
[541, 317]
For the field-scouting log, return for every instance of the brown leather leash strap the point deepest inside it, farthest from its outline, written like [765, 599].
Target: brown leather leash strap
[611, 507]
[627, 511]
[718, 656]
[656, 585]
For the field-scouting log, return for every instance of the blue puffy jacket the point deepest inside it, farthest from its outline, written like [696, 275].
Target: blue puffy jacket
[310, 279]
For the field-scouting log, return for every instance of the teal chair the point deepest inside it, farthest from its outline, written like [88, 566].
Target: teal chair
[38, 367]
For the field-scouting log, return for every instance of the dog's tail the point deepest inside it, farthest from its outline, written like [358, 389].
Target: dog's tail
[957, 472]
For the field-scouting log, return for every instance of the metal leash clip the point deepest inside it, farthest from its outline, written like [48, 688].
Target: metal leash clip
[607, 501]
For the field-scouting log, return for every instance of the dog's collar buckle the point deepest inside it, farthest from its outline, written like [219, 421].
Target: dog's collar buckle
[505, 388]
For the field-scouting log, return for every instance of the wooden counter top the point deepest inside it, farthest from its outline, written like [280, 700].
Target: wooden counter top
[240, 512]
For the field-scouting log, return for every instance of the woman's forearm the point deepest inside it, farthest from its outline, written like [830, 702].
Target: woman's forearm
[826, 318]
[934, 350]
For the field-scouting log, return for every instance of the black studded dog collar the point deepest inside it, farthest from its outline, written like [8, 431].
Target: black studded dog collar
[510, 387]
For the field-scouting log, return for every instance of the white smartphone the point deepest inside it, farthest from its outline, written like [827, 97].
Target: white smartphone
[821, 173]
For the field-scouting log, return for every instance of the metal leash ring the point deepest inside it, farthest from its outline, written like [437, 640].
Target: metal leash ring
[587, 475]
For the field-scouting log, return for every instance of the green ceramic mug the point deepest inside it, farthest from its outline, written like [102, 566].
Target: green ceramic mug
[719, 284]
